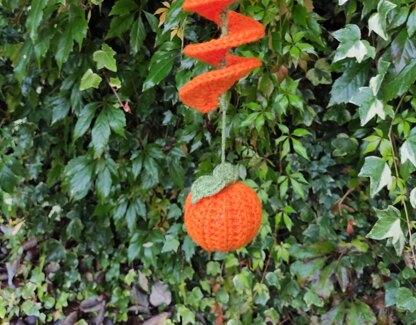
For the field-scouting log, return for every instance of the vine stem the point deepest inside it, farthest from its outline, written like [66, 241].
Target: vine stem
[402, 198]
[223, 99]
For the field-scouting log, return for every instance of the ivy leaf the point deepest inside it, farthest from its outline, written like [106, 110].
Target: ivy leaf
[348, 85]
[412, 198]
[171, 244]
[379, 173]
[105, 58]
[90, 80]
[84, 120]
[78, 175]
[8, 180]
[360, 313]
[388, 226]
[187, 316]
[378, 20]
[160, 294]
[351, 45]
[320, 74]
[74, 228]
[405, 299]
[408, 149]
[369, 105]
[31, 309]
[188, 248]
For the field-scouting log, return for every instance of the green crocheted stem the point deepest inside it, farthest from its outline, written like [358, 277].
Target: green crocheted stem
[223, 98]
[223, 175]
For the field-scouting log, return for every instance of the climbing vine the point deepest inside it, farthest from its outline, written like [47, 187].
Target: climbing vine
[98, 155]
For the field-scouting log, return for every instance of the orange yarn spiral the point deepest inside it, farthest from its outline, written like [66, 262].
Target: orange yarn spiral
[203, 92]
[225, 221]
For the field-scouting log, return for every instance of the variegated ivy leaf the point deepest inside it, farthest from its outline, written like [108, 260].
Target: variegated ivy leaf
[413, 198]
[375, 82]
[379, 173]
[378, 21]
[369, 105]
[351, 45]
[222, 176]
[408, 149]
[388, 226]
[342, 2]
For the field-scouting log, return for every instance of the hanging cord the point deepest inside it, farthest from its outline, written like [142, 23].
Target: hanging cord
[223, 99]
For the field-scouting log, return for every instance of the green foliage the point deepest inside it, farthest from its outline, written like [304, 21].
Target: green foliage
[97, 156]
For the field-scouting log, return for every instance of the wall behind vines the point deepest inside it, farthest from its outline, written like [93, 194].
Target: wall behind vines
[97, 156]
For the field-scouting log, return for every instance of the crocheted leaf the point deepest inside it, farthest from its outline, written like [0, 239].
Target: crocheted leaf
[205, 186]
[226, 172]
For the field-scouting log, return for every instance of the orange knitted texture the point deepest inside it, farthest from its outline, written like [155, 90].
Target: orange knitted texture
[203, 92]
[225, 221]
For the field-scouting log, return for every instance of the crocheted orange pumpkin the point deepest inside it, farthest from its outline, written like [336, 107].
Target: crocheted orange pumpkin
[221, 214]
[225, 221]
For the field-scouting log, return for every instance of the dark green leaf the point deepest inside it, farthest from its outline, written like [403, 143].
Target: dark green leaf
[84, 120]
[78, 175]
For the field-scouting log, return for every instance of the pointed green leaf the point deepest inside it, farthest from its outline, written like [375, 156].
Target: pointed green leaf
[103, 184]
[117, 120]
[34, 17]
[137, 35]
[396, 86]
[84, 120]
[78, 175]
[101, 133]
[159, 69]
[75, 31]
[411, 23]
